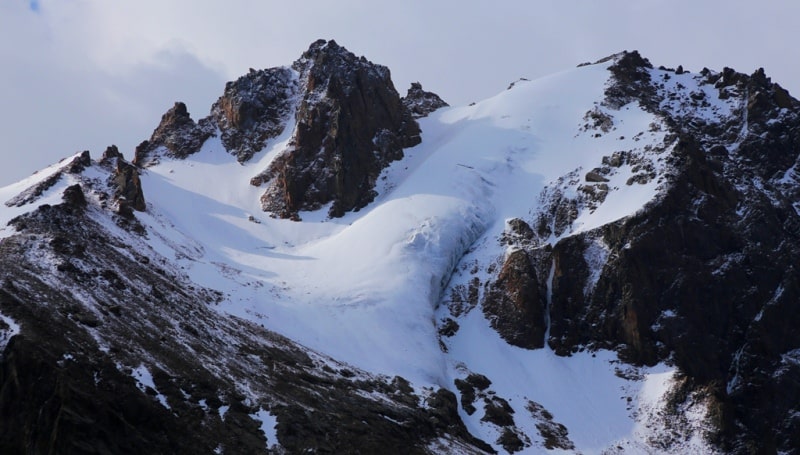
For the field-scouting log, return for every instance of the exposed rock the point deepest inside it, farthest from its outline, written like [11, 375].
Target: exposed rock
[73, 196]
[514, 305]
[71, 380]
[556, 435]
[632, 80]
[514, 84]
[111, 152]
[128, 187]
[694, 277]
[35, 191]
[254, 109]
[177, 133]
[421, 103]
[79, 163]
[498, 411]
[594, 177]
[351, 124]
[517, 233]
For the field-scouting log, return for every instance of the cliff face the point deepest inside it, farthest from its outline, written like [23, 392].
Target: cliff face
[350, 124]
[705, 275]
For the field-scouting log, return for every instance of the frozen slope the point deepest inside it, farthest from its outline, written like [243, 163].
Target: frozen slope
[365, 288]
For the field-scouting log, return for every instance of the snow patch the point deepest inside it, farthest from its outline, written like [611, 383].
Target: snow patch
[6, 333]
[144, 382]
[596, 256]
[269, 424]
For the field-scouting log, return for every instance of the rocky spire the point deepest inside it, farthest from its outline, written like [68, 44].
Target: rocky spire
[177, 133]
[420, 102]
[350, 124]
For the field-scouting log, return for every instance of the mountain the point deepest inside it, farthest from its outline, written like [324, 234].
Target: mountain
[598, 261]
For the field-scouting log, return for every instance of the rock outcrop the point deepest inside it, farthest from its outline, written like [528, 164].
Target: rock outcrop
[514, 304]
[129, 193]
[177, 134]
[254, 109]
[422, 103]
[700, 275]
[105, 350]
[350, 124]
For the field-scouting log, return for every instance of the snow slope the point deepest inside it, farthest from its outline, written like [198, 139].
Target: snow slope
[365, 289]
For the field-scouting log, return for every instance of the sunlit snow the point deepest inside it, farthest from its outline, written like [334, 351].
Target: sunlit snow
[365, 288]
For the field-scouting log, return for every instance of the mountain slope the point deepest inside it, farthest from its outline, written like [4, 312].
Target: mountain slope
[600, 261]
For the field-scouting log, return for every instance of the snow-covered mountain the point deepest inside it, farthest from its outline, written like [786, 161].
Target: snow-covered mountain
[599, 261]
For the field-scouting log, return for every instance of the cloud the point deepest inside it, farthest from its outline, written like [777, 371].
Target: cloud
[83, 74]
[57, 101]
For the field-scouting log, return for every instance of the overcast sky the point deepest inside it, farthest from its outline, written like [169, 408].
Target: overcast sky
[84, 74]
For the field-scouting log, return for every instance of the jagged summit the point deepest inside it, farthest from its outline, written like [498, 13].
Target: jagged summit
[349, 125]
[339, 109]
[422, 103]
[604, 260]
[177, 133]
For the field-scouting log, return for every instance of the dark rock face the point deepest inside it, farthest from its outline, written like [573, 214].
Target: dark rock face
[420, 102]
[350, 124]
[254, 109]
[706, 275]
[128, 188]
[514, 306]
[178, 133]
[79, 163]
[111, 152]
[74, 197]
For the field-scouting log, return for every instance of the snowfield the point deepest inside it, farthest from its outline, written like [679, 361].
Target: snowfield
[366, 288]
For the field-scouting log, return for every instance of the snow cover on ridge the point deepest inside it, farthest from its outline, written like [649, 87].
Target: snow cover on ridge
[51, 194]
[365, 289]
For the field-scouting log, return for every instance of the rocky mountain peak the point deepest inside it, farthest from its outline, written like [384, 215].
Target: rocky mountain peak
[177, 135]
[350, 123]
[254, 109]
[420, 102]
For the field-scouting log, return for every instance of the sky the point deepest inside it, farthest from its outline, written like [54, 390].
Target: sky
[84, 74]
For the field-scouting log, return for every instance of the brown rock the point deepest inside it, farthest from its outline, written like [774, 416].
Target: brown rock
[254, 109]
[351, 123]
[177, 133]
[420, 102]
[128, 188]
[514, 305]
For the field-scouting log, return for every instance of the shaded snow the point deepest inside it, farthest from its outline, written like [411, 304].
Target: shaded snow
[268, 426]
[365, 288]
[7, 333]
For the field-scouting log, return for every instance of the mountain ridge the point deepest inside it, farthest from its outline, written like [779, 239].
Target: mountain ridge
[641, 248]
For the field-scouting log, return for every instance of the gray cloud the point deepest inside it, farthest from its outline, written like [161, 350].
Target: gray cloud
[83, 75]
